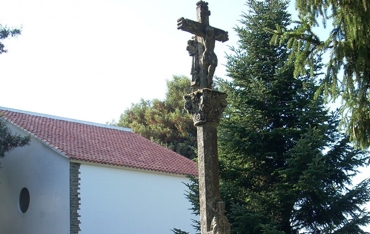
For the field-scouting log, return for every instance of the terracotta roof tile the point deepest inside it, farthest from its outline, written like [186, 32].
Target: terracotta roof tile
[100, 144]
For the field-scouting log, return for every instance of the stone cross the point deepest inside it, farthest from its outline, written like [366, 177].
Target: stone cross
[202, 45]
[206, 106]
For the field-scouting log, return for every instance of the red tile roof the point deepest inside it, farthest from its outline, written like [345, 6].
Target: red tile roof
[101, 144]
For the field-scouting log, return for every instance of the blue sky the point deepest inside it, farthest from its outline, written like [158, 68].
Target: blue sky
[90, 60]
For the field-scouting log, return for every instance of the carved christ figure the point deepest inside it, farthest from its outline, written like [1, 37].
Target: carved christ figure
[201, 48]
[209, 58]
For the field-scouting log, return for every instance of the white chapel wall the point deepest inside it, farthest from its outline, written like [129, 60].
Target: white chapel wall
[46, 175]
[119, 201]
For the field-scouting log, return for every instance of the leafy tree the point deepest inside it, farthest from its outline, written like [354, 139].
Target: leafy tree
[8, 141]
[348, 70]
[165, 122]
[284, 167]
[5, 32]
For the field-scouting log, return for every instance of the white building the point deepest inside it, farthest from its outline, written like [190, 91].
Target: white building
[78, 177]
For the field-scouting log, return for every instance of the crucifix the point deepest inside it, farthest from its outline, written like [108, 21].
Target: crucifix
[202, 45]
[206, 106]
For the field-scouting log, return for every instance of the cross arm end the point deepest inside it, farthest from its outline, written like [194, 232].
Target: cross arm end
[181, 23]
[221, 35]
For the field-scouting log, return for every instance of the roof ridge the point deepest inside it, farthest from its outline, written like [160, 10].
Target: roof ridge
[66, 119]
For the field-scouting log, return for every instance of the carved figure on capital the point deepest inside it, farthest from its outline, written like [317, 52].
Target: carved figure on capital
[205, 106]
[219, 224]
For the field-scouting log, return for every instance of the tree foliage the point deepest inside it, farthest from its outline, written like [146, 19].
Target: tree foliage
[348, 70]
[8, 140]
[6, 32]
[284, 166]
[165, 122]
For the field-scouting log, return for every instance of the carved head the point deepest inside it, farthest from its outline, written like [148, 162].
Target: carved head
[220, 206]
[192, 47]
[210, 32]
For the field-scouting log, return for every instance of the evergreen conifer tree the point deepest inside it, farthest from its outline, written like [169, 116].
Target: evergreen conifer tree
[347, 44]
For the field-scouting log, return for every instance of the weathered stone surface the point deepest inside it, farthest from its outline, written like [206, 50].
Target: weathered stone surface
[195, 49]
[205, 106]
[202, 46]
[219, 223]
[74, 199]
[209, 192]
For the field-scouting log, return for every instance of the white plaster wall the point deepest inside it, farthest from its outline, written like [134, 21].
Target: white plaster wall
[122, 201]
[46, 175]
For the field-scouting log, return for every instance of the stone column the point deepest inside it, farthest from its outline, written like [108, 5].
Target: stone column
[74, 197]
[206, 107]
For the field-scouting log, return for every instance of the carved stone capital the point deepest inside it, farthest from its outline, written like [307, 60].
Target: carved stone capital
[205, 105]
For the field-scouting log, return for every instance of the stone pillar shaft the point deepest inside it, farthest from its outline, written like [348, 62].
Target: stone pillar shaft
[209, 191]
